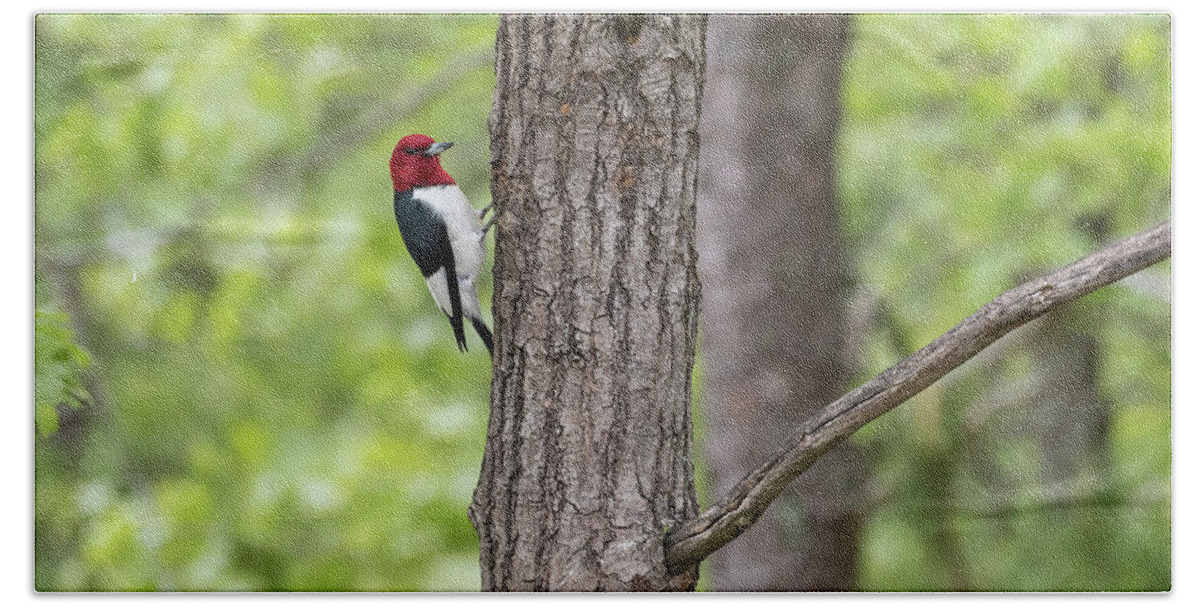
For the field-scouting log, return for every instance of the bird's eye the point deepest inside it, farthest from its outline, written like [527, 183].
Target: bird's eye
[410, 150]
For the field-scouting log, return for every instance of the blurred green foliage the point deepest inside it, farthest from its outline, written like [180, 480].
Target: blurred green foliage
[277, 405]
[977, 152]
[58, 363]
[281, 406]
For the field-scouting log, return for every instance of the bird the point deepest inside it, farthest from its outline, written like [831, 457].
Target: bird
[442, 232]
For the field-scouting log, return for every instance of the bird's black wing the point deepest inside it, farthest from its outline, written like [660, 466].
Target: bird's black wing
[428, 243]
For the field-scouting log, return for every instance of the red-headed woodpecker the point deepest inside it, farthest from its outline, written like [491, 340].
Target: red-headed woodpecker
[441, 230]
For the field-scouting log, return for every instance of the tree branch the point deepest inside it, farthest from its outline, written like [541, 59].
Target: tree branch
[691, 541]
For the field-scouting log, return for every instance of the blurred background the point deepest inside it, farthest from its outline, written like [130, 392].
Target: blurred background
[241, 383]
[978, 152]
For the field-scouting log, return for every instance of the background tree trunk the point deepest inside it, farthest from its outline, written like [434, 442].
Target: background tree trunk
[777, 288]
[594, 168]
[1070, 418]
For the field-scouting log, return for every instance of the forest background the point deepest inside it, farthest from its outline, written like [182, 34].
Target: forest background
[241, 383]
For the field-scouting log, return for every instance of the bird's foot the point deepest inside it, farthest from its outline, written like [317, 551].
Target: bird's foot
[483, 212]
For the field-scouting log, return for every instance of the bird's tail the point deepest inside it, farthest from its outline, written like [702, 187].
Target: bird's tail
[471, 310]
[460, 336]
[456, 315]
[485, 334]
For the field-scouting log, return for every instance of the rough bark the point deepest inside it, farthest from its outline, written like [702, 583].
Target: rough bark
[594, 165]
[776, 290]
[692, 541]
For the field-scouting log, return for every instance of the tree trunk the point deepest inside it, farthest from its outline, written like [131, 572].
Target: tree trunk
[1068, 416]
[594, 169]
[1071, 417]
[777, 287]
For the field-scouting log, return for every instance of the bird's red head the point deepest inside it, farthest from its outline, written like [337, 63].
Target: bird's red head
[415, 163]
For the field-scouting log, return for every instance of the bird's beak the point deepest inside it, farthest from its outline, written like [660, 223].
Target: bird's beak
[436, 149]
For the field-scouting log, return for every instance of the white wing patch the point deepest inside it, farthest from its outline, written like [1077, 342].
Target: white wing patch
[440, 290]
[466, 240]
[467, 290]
